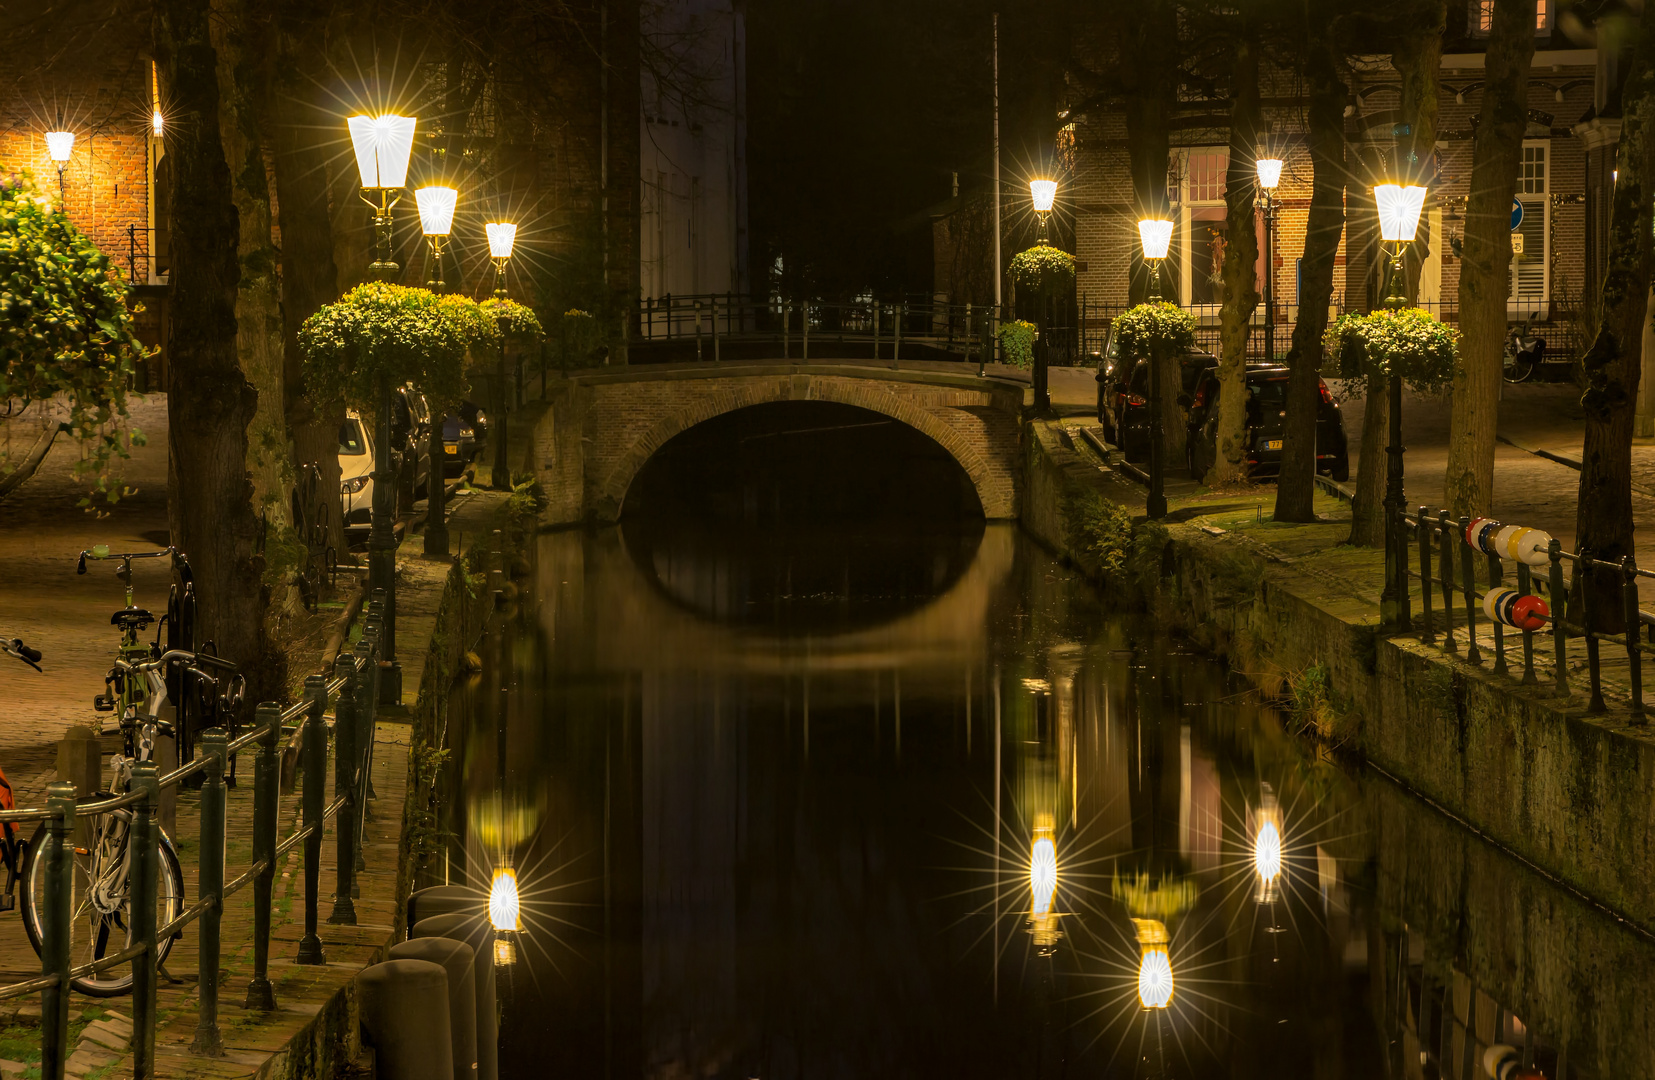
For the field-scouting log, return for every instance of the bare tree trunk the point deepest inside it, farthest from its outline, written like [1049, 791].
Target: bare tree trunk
[1296, 486]
[1241, 296]
[308, 278]
[243, 82]
[210, 403]
[1485, 271]
[1603, 521]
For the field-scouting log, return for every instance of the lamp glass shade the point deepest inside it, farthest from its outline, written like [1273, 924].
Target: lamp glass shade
[1155, 978]
[1399, 209]
[436, 209]
[502, 236]
[1267, 852]
[1044, 193]
[503, 909]
[383, 145]
[60, 144]
[156, 123]
[1156, 235]
[1269, 172]
[1043, 875]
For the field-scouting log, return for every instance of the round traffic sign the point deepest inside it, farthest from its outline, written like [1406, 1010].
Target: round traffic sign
[1516, 213]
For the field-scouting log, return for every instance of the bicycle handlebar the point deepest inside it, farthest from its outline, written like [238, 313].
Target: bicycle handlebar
[101, 551]
[15, 647]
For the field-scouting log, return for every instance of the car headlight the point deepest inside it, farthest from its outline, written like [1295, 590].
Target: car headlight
[352, 486]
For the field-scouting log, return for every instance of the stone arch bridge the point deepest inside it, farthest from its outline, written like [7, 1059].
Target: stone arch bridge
[603, 426]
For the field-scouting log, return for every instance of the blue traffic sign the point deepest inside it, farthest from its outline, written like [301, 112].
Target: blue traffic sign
[1516, 213]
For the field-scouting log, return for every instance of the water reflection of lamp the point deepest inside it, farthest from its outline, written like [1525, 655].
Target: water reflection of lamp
[1043, 886]
[504, 913]
[1154, 964]
[1267, 846]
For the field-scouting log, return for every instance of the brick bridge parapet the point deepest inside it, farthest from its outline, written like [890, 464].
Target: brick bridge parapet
[603, 427]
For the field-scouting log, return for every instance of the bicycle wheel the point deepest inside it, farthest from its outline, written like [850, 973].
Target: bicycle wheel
[1516, 369]
[100, 900]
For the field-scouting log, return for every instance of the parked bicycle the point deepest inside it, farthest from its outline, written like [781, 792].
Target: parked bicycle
[136, 690]
[1524, 352]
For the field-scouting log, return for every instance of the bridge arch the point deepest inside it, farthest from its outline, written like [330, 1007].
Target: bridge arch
[995, 497]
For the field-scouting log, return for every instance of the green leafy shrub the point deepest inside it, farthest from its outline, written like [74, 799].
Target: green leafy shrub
[395, 334]
[1043, 268]
[1100, 528]
[1154, 331]
[1409, 343]
[520, 321]
[1017, 343]
[65, 330]
[578, 336]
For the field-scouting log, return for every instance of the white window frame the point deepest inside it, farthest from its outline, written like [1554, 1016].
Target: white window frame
[1544, 16]
[1186, 219]
[1532, 202]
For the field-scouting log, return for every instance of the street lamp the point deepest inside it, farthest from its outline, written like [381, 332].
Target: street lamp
[502, 237]
[59, 145]
[1043, 193]
[1267, 860]
[1269, 175]
[1155, 234]
[382, 145]
[1043, 886]
[504, 914]
[1399, 208]
[436, 219]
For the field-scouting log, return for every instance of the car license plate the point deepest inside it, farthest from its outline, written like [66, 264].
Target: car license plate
[1272, 444]
[451, 449]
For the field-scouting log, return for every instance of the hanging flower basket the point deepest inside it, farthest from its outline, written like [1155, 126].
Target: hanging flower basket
[1043, 268]
[1409, 343]
[1154, 331]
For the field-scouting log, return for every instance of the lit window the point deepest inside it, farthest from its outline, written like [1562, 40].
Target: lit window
[1482, 17]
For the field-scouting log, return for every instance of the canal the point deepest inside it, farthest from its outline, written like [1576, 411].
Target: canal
[792, 796]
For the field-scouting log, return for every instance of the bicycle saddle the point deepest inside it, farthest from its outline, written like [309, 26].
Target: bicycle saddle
[135, 618]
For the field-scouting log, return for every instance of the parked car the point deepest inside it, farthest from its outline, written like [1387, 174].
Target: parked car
[356, 482]
[1123, 395]
[463, 432]
[1266, 423]
[411, 434]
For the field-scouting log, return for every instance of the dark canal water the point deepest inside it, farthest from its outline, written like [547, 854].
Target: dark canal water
[819, 800]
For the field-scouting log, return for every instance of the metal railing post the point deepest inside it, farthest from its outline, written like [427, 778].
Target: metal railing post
[1588, 621]
[787, 328]
[266, 779]
[1525, 585]
[897, 312]
[876, 314]
[344, 784]
[367, 653]
[1468, 581]
[1634, 660]
[54, 946]
[804, 330]
[1445, 535]
[146, 865]
[210, 887]
[1560, 635]
[1423, 527]
[1495, 576]
[315, 768]
[698, 331]
[715, 325]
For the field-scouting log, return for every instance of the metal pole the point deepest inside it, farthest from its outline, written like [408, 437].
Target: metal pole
[501, 479]
[1156, 507]
[715, 323]
[1423, 528]
[344, 784]
[54, 946]
[1634, 659]
[897, 313]
[804, 329]
[315, 768]
[1468, 580]
[998, 266]
[1269, 276]
[876, 313]
[1560, 637]
[698, 331]
[787, 327]
[1393, 602]
[146, 864]
[382, 541]
[266, 781]
[210, 887]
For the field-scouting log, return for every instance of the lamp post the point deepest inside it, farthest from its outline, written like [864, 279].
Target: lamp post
[382, 145]
[1043, 193]
[59, 145]
[1155, 234]
[436, 219]
[1269, 175]
[1399, 208]
[502, 237]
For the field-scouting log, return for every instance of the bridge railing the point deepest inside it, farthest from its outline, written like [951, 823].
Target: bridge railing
[351, 688]
[716, 321]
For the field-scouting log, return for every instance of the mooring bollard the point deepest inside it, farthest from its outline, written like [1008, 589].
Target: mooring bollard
[210, 888]
[474, 930]
[458, 962]
[266, 769]
[404, 1011]
[146, 866]
[316, 764]
[344, 784]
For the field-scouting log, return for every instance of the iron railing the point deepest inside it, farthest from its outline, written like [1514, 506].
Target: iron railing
[352, 690]
[1463, 563]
